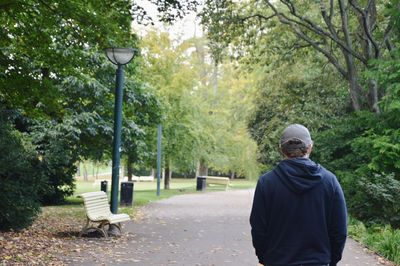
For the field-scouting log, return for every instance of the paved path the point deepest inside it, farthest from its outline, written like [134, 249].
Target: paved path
[197, 229]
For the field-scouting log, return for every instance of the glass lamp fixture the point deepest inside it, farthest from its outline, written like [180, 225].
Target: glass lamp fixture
[120, 56]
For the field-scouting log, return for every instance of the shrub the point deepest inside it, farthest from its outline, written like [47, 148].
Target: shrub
[57, 148]
[375, 198]
[363, 151]
[20, 180]
[59, 168]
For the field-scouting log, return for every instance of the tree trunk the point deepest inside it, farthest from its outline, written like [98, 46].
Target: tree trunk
[203, 168]
[215, 78]
[167, 176]
[371, 50]
[85, 173]
[352, 77]
[129, 168]
[373, 96]
[232, 174]
[355, 88]
[78, 166]
[197, 169]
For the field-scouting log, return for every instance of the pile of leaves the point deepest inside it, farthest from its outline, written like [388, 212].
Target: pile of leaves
[52, 239]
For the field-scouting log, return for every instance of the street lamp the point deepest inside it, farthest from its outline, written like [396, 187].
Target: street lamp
[119, 57]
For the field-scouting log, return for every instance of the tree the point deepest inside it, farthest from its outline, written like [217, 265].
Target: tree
[203, 108]
[165, 69]
[55, 74]
[348, 33]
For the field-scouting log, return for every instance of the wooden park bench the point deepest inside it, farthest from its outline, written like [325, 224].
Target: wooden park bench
[217, 180]
[98, 213]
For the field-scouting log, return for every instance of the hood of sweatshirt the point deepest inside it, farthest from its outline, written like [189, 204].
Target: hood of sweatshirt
[300, 175]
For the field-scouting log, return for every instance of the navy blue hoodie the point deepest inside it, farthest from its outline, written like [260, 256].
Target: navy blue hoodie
[299, 215]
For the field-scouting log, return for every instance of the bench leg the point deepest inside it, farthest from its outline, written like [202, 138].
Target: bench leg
[85, 227]
[100, 228]
[118, 225]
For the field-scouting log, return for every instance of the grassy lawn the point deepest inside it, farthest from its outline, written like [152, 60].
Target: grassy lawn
[144, 192]
[188, 185]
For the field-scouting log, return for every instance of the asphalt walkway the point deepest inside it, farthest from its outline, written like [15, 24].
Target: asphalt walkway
[197, 229]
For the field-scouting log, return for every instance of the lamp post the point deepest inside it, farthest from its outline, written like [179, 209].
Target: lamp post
[119, 57]
[159, 136]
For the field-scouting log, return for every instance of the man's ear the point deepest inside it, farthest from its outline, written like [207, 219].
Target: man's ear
[309, 148]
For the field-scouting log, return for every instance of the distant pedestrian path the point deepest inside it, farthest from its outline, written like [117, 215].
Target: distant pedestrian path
[198, 229]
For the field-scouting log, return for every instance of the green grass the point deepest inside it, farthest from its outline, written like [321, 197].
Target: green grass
[176, 184]
[144, 192]
[93, 168]
[382, 239]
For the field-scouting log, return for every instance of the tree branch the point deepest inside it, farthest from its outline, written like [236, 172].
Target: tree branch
[331, 10]
[316, 45]
[366, 24]
[258, 16]
[309, 25]
[386, 40]
[328, 18]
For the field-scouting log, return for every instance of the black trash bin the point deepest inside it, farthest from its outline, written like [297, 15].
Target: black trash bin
[126, 194]
[103, 186]
[201, 183]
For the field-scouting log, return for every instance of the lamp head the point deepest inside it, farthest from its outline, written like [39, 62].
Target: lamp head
[120, 56]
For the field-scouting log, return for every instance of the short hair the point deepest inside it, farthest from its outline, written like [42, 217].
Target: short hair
[294, 148]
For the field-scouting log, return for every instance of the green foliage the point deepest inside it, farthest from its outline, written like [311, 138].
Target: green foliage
[334, 29]
[20, 181]
[353, 149]
[62, 85]
[54, 143]
[57, 85]
[295, 88]
[383, 239]
[204, 107]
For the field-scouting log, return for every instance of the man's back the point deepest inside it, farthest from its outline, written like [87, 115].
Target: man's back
[299, 212]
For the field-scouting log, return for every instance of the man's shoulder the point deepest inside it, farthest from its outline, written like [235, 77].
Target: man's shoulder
[269, 176]
[327, 173]
[330, 178]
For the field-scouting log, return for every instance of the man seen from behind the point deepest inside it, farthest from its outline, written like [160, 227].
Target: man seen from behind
[299, 215]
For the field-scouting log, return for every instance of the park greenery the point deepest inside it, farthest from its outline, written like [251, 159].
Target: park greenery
[222, 99]
[334, 67]
[57, 101]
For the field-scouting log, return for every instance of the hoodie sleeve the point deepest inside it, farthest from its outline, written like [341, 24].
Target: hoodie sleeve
[338, 225]
[258, 221]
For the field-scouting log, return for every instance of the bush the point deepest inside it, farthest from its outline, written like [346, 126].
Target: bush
[363, 151]
[375, 198]
[20, 180]
[57, 148]
[59, 168]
